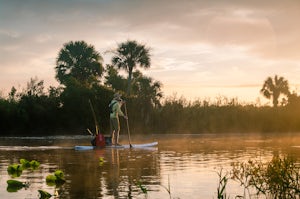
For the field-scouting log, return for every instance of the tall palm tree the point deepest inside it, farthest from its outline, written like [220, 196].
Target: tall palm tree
[80, 62]
[273, 88]
[128, 56]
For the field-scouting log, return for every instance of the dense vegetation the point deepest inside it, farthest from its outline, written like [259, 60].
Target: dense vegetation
[79, 70]
[278, 178]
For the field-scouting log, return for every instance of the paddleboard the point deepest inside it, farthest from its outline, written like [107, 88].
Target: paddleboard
[31, 148]
[145, 145]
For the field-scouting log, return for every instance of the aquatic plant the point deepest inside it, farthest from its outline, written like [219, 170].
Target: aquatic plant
[55, 179]
[33, 164]
[168, 188]
[15, 170]
[15, 185]
[142, 187]
[278, 179]
[221, 190]
[25, 163]
[44, 194]
[50, 180]
[59, 174]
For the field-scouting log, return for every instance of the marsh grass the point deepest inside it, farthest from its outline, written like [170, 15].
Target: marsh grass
[144, 189]
[168, 188]
[221, 190]
[224, 115]
[34, 114]
[277, 179]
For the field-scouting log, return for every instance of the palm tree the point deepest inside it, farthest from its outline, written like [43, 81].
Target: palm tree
[147, 89]
[129, 55]
[274, 88]
[149, 94]
[113, 79]
[80, 62]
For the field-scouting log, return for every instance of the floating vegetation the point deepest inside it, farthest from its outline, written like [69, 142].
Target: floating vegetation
[25, 163]
[59, 174]
[14, 170]
[44, 194]
[33, 164]
[278, 178]
[56, 179]
[15, 185]
[50, 180]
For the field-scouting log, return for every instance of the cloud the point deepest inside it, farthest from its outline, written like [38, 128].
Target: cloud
[195, 42]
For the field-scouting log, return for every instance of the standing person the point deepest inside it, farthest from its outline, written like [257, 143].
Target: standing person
[115, 111]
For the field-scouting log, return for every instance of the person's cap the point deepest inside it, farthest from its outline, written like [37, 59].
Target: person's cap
[117, 96]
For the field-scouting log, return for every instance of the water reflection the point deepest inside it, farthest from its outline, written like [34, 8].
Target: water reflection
[189, 164]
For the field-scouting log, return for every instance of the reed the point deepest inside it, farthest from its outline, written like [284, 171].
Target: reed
[278, 179]
[60, 114]
[168, 187]
[221, 190]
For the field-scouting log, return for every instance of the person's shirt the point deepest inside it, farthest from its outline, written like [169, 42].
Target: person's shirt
[116, 109]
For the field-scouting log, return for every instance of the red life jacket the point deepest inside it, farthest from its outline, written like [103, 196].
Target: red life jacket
[100, 140]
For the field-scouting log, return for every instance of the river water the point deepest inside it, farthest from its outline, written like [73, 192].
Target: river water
[181, 166]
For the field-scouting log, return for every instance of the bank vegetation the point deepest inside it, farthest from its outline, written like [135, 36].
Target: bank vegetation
[36, 110]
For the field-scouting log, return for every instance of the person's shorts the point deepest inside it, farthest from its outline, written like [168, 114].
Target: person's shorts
[115, 124]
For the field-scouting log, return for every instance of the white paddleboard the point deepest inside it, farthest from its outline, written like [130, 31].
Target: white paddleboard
[145, 145]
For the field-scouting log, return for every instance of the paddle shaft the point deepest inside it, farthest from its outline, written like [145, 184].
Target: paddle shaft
[128, 131]
[94, 116]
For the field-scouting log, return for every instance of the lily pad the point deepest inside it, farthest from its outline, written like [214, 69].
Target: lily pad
[44, 194]
[14, 185]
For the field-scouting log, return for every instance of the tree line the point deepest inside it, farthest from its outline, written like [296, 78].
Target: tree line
[82, 76]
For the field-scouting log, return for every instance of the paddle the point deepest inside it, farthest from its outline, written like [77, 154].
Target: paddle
[99, 139]
[128, 132]
[94, 116]
[89, 131]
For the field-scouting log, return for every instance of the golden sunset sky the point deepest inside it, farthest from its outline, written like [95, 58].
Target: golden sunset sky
[200, 49]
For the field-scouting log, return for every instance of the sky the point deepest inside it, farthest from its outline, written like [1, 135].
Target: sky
[200, 49]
